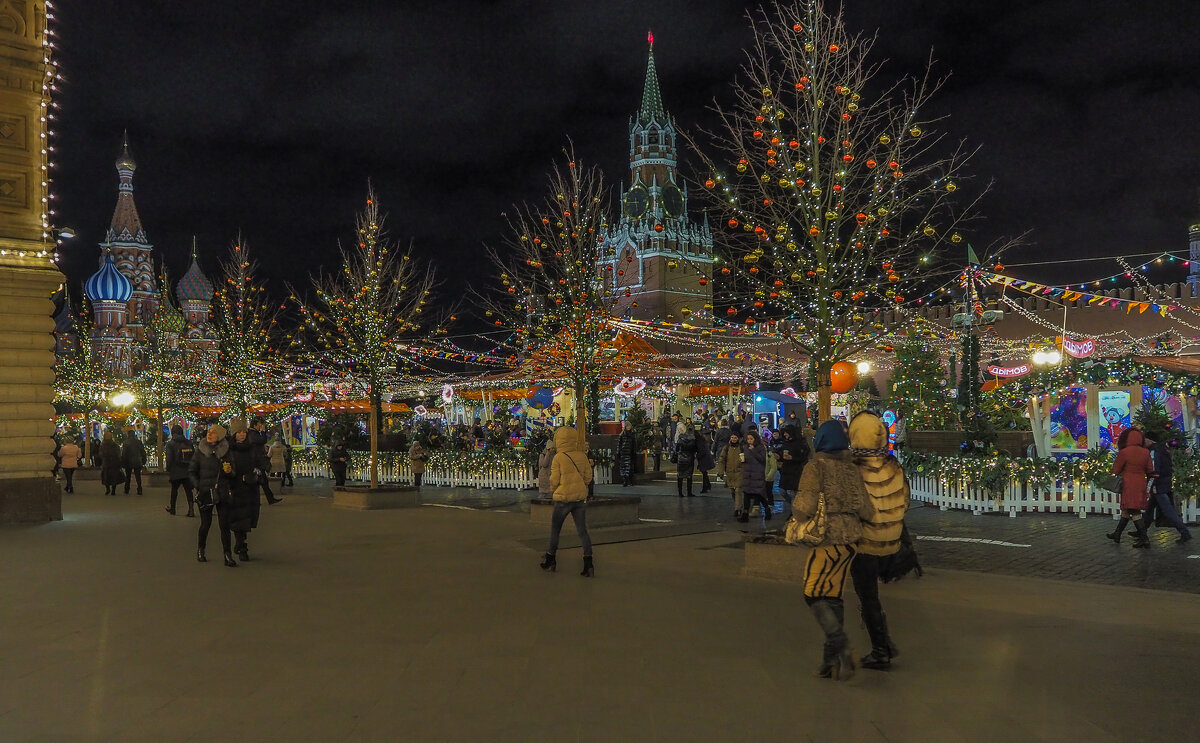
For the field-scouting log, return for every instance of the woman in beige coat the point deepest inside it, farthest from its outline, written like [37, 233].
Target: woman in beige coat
[545, 462]
[416, 460]
[570, 475]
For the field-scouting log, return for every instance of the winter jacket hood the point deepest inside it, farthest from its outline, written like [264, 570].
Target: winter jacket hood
[1130, 437]
[570, 472]
[886, 485]
[831, 437]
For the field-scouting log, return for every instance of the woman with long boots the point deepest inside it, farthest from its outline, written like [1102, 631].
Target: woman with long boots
[1135, 467]
[210, 471]
[886, 484]
[570, 475]
[754, 468]
[244, 509]
[833, 476]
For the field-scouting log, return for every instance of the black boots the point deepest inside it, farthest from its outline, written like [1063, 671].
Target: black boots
[229, 561]
[1141, 540]
[170, 510]
[588, 569]
[240, 547]
[882, 647]
[200, 555]
[837, 661]
[549, 563]
[1116, 534]
[705, 484]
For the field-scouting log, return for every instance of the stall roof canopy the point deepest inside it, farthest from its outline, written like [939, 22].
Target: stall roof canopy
[778, 397]
[1178, 364]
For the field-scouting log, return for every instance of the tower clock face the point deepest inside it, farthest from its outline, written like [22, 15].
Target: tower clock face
[636, 202]
[672, 201]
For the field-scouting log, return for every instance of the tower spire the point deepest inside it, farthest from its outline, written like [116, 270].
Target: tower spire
[652, 106]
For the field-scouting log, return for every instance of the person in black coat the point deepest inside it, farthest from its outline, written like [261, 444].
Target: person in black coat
[339, 459]
[260, 439]
[705, 460]
[210, 472]
[685, 458]
[626, 451]
[133, 459]
[792, 449]
[1162, 498]
[178, 454]
[244, 506]
[112, 473]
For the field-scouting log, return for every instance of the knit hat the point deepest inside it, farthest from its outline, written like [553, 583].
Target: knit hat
[831, 438]
[221, 432]
[236, 425]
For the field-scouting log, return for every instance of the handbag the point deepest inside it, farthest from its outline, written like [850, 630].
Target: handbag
[1112, 484]
[810, 532]
[903, 561]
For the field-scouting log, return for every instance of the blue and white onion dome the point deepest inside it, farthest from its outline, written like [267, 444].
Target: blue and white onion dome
[194, 285]
[108, 284]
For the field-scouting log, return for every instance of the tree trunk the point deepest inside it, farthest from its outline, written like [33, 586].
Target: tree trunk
[373, 424]
[87, 439]
[824, 393]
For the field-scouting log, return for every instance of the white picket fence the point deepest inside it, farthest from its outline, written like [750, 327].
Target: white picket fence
[511, 477]
[1068, 496]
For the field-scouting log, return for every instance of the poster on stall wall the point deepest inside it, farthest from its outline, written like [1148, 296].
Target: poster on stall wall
[1114, 416]
[1173, 404]
[1068, 422]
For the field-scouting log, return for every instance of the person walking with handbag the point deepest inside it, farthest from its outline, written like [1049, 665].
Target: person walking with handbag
[69, 455]
[112, 473]
[831, 495]
[889, 492]
[570, 475]
[210, 471]
[754, 468]
[729, 466]
[1135, 467]
[178, 454]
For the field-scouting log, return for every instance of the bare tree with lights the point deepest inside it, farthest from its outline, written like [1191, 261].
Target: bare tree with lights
[358, 321]
[835, 188]
[82, 378]
[552, 295]
[244, 322]
[160, 379]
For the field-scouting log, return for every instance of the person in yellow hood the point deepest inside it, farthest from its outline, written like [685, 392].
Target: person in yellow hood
[570, 475]
[888, 488]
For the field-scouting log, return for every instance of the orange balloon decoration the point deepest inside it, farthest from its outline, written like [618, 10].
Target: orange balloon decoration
[842, 377]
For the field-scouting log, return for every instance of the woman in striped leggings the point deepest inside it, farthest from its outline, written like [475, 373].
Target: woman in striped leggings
[832, 474]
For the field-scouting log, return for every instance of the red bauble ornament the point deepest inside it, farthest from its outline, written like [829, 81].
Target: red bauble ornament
[842, 377]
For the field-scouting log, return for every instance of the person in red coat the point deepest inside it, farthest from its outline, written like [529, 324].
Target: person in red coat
[1135, 467]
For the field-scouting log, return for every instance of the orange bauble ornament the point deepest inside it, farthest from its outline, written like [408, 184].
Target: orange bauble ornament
[842, 377]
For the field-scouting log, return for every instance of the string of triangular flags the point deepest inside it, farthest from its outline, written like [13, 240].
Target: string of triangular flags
[1035, 289]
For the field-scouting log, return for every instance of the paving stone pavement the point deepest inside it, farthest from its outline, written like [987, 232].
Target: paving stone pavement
[434, 624]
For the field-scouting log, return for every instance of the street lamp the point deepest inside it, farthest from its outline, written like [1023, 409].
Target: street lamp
[122, 399]
[864, 367]
[1049, 357]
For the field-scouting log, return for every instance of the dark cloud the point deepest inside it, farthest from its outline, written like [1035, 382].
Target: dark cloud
[268, 118]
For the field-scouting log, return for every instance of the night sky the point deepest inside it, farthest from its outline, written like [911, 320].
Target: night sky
[268, 118]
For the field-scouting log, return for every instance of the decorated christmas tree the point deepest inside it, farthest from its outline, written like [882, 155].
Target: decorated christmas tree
[837, 191]
[82, 379]
[356, 324]
[551, 294]
[919, 387]
[244, 322]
